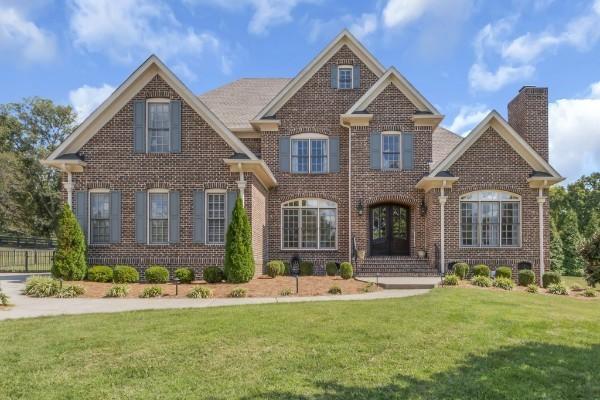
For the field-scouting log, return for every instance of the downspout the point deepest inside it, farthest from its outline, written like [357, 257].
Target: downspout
[541, 200]
[442, 198]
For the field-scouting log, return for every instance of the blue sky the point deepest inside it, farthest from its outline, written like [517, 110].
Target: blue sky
[465, 56]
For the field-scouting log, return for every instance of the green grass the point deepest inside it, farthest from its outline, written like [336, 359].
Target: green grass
[448, 344]
[570, 280]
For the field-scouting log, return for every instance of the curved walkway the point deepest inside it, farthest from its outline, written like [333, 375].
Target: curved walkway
[28, 307]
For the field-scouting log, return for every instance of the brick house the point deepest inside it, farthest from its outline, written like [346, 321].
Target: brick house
[346, 161]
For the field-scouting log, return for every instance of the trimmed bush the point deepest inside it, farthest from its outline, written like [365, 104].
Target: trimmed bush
[125, 274]
[70, 291]
[481, 281]
[451, 280]
[213, 275]
[275, 268]
[39, 286]
[286, 292]
[287, 270]
[526, 277]
[239, 261]
[531, 288]
[461, 270]
[238, 292]
[152, 291]
[504, 283]
[346, 271]
[100, 273]
[590, 292]
[185, 274]
[557, 288]
[481, 270]
[157, 274]
[117, 291]
[331, 268]
[69, 261]
[504, 272]
[306, 268]
[335, 289]
[4, 299]
[550, 278]
[200, 292]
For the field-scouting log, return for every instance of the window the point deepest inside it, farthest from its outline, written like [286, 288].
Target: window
[99, 217]
[490, 219]
[309, 224]
[345, 77]
[309, 154]
[215, 204]
[159, 125]
[159, 217]
[390, 150]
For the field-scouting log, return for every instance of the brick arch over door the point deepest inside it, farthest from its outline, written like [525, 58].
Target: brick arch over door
[401, 199]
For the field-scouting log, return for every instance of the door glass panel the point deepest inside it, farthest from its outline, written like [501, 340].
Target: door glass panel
[399, 225]
[379, 223]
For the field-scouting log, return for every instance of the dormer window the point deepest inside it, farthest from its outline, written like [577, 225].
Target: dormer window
[345, 73]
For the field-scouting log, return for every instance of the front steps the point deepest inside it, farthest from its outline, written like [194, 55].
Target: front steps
[397, 282]
[395, 267]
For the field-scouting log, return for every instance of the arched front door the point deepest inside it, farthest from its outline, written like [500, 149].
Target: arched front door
[389, 230]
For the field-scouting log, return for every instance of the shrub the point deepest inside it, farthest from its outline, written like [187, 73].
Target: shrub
[504, 272]
[213, 274]
[185, 274]
[239, 261]
[481, 270]
[482, 281]
[590, 251]
[70, 291]
[557, 288]
[550, 278]
[531, 288]
[100, 273]
[526, 277]
[286, 268]
[451, 280]
[370, 287]
[335, 289]
[117, 291]
[4, 299]
[157, 274]
[69, 259]
[152, 291]
[38, 286]
[286, 292]
[275, 268]
[306, 268]
[504, 283]
[346, 271]
[238, 292]
[461, 270]
[576, 287]
[125, 274]
[200, 292]
[588, 292]
[331, 268]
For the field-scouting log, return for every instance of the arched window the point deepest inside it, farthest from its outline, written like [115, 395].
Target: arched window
[490, 218]
[309, 224]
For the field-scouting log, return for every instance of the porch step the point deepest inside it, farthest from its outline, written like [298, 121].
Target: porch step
[395, 266]
[404, 282]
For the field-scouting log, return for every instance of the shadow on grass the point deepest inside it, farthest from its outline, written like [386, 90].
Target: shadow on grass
[531, 371]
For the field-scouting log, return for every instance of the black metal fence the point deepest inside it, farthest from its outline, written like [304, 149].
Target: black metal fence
[26, 242]
[17, 260]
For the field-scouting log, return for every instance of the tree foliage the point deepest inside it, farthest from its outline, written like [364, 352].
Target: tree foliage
[556, 249]
[571, 239]
[239, 260]
[69, 258]
[590, 251]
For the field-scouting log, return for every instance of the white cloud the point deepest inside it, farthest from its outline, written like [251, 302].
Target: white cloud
[467, 118]
[574, 127]
[361, 27]
[398, 13]
[86, 98]
[364, 26]
[481, 78]
[23, 37]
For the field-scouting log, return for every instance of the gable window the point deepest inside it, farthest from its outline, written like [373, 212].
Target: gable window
[490, 219]
[309, 224]
[215, 216]
[100, 217]
[390, 151]
[158, 215]
[345, 77]
[159, 126]
[309, 154]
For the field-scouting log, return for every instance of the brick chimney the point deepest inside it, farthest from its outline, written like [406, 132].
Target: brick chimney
[528, 115]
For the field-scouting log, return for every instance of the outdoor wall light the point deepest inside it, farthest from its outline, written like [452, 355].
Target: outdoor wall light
[360, 207]
[423, 208]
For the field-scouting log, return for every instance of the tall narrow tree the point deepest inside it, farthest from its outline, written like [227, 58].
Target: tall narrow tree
[556, 249]
[571, 239]
[239, 260]
[69, 259]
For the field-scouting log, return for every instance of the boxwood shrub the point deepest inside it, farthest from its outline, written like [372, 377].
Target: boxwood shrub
[481, 270]
[213, 274]
[100, 273]
[275, 268]
[306, 268]
[331, 268]
[461, 270]
[550, 278]
[346, 271]
[125, 274]
[185, 274]
[504, 272]
[526, 277]
[157, 274]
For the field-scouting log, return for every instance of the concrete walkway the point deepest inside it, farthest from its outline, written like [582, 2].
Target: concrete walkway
[402, 282]
[28, 307]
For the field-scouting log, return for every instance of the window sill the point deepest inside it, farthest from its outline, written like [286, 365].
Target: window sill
[491, 247]
[100, 244]
[292, 249]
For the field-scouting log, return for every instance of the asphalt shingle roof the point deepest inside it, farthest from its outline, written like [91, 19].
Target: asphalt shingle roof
[443, 141]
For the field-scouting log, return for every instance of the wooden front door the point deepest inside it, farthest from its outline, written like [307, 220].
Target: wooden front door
[389, 230]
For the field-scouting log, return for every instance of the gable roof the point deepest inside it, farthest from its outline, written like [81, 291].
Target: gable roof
[238, 102]
[516, 141]
[392, 76]
[345, 38]
[127, 90]
[442, 143]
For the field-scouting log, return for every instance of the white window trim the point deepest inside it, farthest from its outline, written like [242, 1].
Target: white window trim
[309, 137]
[479, 201]
[153, 191]
[89, 216]
[318, 248]
[351, 67]
[206, 193]
[156, 100]
[391, 133]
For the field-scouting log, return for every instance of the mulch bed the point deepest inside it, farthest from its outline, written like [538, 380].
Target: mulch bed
[263, 286]
[572, 293]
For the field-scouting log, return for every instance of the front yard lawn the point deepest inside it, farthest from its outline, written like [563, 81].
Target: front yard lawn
[452, 343]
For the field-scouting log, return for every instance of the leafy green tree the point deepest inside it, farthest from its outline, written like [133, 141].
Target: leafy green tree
[571, 239]
[239, 260]
[556, 249]
[592, 225]
[590, 251]
[69, 258]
